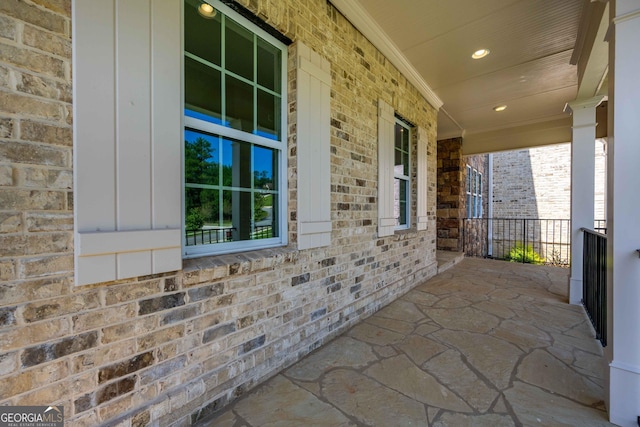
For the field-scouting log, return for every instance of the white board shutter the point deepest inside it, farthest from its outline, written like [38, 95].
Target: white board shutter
[386, 126]
[126, 70]
[313, 88]
[422, 177]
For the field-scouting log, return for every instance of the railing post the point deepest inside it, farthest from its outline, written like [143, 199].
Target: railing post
[524, 240]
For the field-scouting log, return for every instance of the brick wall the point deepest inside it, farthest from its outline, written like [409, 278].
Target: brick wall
[169, 349]
[536, 183]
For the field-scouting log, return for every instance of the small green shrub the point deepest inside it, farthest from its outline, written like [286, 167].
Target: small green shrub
[194, 220]
[524, 255]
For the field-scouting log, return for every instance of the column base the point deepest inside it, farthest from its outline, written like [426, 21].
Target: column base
[624, 394]
[575, 291]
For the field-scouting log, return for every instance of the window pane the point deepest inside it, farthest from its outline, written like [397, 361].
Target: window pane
[474, 182]
[268, 115]
[475, 206]
[202, 36]
[405, 139]
[269, 66]
[403, 202]
[239, 103]
[201, 161]
[202, 216]
[202, 91]
[238, 50]
[469, 207]
[405, 163]
[263, 217]
[400, 201]
[468, 179]
[236, 164]
[264, 167]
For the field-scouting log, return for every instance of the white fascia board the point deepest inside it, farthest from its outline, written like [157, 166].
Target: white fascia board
[361, 19]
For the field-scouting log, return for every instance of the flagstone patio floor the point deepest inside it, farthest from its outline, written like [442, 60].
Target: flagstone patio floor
[485, 343]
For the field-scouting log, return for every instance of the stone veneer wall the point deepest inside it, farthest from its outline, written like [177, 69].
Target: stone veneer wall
[452, 198]
[171, 348]
[451, 194]
[536, 183]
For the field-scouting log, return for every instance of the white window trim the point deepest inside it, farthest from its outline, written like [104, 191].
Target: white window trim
[406, 178]
[281, 146]
[473, 183]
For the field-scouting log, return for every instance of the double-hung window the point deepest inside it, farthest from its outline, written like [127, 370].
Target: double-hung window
[401, 174]
[474, 193]
[234, 133]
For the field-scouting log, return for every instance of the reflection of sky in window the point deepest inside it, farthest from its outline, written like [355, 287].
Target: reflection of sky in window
[191, 136]
[204, 117]
[262, 157]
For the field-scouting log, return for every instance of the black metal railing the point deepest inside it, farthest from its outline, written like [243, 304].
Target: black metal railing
[206, 236]
[600, 225]
[594, 281]
[534, 241]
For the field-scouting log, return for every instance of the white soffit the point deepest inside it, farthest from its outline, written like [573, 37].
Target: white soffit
[361, 19]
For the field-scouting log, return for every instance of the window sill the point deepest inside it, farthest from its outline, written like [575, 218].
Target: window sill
[215, 267]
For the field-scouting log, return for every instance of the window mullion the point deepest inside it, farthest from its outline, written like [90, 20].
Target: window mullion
[220, 184]
[223, 73]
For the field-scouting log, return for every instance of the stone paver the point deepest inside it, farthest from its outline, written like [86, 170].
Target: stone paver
[486, 343]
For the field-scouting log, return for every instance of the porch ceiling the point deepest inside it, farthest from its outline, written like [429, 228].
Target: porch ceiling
[529, 68]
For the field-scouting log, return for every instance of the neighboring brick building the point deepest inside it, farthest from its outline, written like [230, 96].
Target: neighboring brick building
[168, 348]
[536, 183]
[527, 184]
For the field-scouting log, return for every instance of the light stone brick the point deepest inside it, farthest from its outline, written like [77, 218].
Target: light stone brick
[124, 293]
[45, 266]
[34, 15]
[32, 244]
[35, 37]
[129, 329]
[6, 125]
[43, 132]
[61, 306]
[87, 419]
[44, 222]
[103, 355]
[7, 28]
[32, 61]
[63, 7]
[8, 363]
[40, 154]
[46, 178]
[6, 175]
[37, 333]
[98, 318]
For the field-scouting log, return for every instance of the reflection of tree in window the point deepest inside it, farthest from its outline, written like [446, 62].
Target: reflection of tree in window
[238, 209]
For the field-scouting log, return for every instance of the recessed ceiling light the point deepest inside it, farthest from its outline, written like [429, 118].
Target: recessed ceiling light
[206, 10]
[500, 108]
[481, 53]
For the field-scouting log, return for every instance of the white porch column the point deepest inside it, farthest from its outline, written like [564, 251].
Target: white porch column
[623, 213]
[583, 161]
